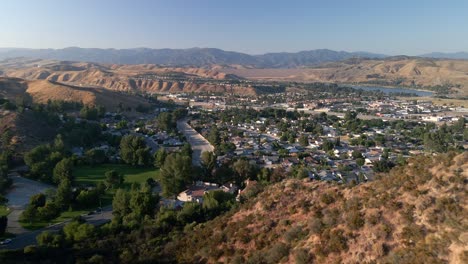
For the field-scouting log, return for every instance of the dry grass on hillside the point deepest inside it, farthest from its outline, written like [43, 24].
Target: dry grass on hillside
[27, 130]
[416, 214]
[405, 71]
[42, 90]
[118, 77]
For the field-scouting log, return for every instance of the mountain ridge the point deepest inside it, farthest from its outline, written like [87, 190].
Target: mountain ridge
[187, 57]
[447, 55]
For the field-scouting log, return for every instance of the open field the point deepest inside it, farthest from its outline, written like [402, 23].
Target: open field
[440, 101]
[85, 175]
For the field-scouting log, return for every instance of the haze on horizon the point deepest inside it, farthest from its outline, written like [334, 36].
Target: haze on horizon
[254, 27]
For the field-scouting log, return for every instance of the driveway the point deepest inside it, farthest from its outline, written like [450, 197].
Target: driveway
[198, 142]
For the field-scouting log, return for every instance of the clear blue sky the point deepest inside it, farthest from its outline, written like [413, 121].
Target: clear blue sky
[255, 26]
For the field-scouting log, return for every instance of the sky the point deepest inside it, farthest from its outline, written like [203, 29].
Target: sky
[392, 27]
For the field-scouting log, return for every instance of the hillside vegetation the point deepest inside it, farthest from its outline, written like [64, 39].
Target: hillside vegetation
[415, 214]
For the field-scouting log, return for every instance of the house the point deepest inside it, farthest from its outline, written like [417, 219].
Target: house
[196, 192]
[323, 175]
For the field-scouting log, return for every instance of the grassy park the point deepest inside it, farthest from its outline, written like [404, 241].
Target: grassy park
[92, 175]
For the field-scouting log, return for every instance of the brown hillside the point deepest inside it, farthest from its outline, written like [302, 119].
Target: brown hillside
[415, 214]
[119, 77]
[42, 90]
[410, 72]
[27, 130]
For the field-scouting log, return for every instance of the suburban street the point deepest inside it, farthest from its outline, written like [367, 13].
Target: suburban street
[29, 238]
[18, 197]
[198, 142]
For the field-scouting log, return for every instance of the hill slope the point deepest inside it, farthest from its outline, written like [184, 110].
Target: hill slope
[40, 91]
[416, 214]
[185, 57]
[397, 71]
[129, 78]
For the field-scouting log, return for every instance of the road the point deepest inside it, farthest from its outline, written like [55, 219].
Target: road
[198, 142]
[18, 197]
[29, 238]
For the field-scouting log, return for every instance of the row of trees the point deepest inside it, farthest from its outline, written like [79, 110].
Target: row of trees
[46, 207]
[43, 159]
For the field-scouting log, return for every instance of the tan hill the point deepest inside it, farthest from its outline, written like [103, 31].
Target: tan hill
[144, 78]
[415, 214]
[26, 130]
[398, 71]
[42, 90]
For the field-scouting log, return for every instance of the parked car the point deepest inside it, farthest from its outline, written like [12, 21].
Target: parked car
[6, 241]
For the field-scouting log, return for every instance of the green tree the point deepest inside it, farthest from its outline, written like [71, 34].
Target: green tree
[243, 170]
[95, 156]
[304, 140]
[120, 204]
[186, 150]
[208, 161]
[75, 231]
[328, 145]
[191, 212]
[123, 124]
[264, 175]
[64, 194]
[142, 203]
[89, 113]
[301, 173]
[113, 179]
[59, 144]
[459, 126]
[360, 162]
[214, 136]
[48, 212]
[165, 121]
[134, 151]
[216, 202]
[356, 154]
[48, 239]
[175, 174]
[160, 157]
[37, 200]
[63, 170]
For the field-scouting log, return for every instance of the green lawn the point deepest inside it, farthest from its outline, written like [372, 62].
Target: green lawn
[85, 175]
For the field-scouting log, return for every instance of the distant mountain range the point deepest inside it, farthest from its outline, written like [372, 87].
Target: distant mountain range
[187, 57]
[441, 55]
[201, 56]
